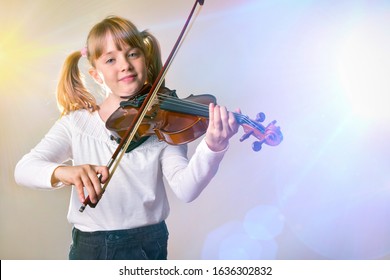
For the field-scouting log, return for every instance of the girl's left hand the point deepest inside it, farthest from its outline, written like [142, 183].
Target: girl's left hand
[222, 126]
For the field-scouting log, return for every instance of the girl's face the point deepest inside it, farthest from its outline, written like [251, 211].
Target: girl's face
[121, 72]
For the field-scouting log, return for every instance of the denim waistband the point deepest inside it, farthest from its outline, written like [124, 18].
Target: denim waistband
[124, 235]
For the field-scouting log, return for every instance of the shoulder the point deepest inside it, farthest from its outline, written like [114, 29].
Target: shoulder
[81, 117]
[78, 115]
[85, 122]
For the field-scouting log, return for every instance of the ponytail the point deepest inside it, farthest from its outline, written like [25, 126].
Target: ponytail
[71, 92]
[153, 56]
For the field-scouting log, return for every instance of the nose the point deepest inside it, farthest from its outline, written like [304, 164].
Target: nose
[125, 64]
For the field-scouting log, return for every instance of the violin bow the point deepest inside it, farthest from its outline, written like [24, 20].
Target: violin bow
[146, 104]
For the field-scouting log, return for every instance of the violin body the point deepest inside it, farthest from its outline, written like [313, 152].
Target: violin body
[175, 121]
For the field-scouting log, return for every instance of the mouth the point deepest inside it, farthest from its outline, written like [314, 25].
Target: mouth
[128, 78]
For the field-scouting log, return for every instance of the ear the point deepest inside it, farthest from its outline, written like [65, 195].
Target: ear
[95, 75]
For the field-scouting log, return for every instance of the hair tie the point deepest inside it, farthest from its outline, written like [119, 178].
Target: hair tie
[84, 52]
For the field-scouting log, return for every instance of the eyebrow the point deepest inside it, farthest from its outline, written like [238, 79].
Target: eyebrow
[123, 49]
[107, 53]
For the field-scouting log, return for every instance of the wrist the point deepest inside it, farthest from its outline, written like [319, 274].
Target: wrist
[55, 180]
[217, 147]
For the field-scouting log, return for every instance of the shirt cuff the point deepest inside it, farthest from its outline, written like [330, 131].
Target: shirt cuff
[59, 184]
[203, 145]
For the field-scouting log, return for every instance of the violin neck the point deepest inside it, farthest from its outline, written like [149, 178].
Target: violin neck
[239, 117]
[192, 108]
[188, 106]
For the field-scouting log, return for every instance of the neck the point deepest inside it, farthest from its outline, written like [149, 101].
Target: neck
[109, 105]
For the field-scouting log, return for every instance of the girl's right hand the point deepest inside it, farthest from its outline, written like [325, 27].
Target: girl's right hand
[82, 176]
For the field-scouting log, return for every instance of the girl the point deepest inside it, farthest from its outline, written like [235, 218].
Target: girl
[128, 222]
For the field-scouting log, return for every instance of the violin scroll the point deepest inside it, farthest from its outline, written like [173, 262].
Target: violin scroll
[270, 135]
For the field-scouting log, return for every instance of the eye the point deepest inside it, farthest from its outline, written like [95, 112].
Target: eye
[133, 54]
[110, 61]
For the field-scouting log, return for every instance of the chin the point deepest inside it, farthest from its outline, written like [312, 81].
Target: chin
[127, 95]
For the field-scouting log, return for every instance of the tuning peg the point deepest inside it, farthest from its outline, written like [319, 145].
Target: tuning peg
[256, 146]
[260, 117]
[246, 135]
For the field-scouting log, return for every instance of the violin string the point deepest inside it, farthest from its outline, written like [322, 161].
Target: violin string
[191, 105]
[183, 104]
[242, 119]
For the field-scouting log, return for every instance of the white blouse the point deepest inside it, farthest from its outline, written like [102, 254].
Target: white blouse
[136, 194]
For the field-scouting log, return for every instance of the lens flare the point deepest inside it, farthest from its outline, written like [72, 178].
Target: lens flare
[18, 55]
[363, 68]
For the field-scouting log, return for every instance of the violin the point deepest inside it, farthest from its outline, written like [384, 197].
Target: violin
[180, 121]
[157, 110]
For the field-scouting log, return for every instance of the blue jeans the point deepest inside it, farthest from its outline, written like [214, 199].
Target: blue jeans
[144, 243]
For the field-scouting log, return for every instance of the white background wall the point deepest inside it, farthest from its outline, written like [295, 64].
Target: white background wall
[320, 68]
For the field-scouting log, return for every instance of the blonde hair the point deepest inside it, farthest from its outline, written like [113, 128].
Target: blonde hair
[72, 94]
